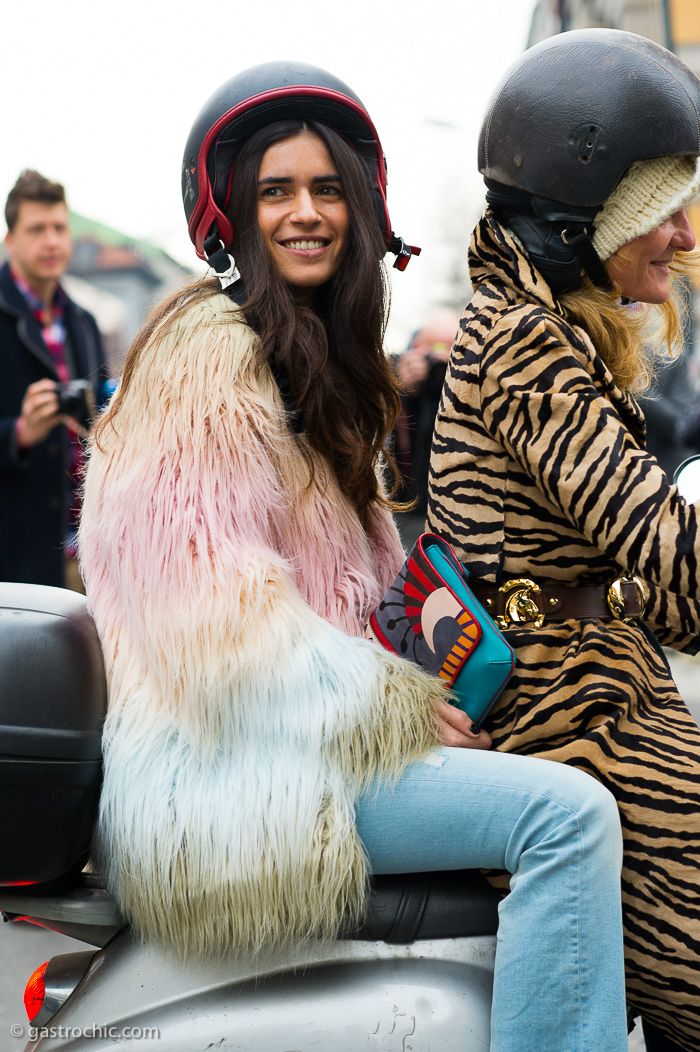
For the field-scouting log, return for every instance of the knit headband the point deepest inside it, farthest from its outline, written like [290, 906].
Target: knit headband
[648, 193]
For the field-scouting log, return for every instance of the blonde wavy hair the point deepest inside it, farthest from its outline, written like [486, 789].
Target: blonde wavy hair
[634, 340]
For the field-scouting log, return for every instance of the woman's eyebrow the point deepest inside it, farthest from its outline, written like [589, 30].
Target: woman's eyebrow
[288, 179]
[275, 179]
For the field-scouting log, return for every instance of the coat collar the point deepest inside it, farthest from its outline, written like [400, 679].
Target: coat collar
[13, 302]
[497, 259]
[82, 343]
[11, 299]
[496, 256]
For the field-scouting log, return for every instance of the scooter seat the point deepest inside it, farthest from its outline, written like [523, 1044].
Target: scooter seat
[402, 908]
[408, 906]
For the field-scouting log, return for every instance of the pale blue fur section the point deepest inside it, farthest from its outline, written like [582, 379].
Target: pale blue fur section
[247, 837]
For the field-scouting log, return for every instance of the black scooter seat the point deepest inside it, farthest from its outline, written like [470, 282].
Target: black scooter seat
[443, 905]
[402, 908]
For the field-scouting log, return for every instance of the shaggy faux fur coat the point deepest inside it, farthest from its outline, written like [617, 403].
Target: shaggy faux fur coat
[245, 711]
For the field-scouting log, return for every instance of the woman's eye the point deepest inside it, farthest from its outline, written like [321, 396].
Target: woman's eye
[272, 191]
[331, 191]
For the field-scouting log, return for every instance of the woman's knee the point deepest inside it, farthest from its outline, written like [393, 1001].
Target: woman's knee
[606, 815]
[594, 806]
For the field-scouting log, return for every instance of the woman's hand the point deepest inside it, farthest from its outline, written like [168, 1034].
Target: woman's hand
[454, 728]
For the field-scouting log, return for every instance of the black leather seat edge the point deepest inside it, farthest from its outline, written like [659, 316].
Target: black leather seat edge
[404, 907]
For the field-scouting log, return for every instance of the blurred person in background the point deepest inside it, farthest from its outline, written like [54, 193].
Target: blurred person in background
[671, 399]
[421, 370]
[46, 340]
[689, 429]
[687, 424]
[666, 410]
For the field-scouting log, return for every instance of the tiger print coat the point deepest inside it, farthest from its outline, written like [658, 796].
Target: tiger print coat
[539, 470]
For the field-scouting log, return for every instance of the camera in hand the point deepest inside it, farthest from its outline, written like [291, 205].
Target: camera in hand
[76, 399]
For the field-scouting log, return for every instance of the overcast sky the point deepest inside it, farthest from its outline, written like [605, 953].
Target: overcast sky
[102, 96]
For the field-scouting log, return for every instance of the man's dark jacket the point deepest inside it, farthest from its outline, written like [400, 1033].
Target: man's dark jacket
[34, 483]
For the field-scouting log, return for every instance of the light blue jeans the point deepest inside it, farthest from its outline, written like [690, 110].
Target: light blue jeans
[559, 976]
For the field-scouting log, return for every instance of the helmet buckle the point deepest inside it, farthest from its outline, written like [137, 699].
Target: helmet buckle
[402, 251]
[579, 241]
[221, 262]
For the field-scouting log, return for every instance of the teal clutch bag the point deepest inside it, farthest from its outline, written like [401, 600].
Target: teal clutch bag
[430, 616]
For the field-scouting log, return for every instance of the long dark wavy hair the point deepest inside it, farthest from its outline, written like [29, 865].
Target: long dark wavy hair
[344, 395]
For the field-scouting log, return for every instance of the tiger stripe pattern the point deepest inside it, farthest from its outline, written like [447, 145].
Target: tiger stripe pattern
[538, 470]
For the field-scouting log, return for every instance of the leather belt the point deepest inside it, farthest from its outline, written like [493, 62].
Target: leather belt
[526, 602]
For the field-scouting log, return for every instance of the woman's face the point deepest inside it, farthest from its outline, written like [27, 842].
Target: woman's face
[640, 267]
[302, 212]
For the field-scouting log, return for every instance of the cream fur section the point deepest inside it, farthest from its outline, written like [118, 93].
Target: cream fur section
[245, 711]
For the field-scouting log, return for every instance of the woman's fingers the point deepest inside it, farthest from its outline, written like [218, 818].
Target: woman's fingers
[454, 728]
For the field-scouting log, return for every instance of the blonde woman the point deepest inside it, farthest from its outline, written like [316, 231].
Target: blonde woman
[572, 534]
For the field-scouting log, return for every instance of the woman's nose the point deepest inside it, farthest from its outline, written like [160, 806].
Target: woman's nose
[304, 210]
[683, 233]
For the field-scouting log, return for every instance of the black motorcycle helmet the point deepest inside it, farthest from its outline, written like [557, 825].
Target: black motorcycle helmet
[252, 99]
[566, 123]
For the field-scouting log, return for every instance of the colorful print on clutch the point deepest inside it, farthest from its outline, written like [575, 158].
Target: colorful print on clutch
[421, 619]
[430, 616]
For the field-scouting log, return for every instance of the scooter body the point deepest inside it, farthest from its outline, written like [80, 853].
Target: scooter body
[362, 991]
[351, 994]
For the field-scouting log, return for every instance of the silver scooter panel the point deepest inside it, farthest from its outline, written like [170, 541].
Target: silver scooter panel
[339, 997]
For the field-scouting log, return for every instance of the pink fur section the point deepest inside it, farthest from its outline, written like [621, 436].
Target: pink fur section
[207, 471]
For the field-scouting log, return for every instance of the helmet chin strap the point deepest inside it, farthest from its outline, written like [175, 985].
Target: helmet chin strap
[579, 238]
[556, 238]
[403, 252]
[221, 262]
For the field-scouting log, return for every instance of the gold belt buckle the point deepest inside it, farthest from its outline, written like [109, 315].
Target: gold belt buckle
[520, 607]
[616, 601]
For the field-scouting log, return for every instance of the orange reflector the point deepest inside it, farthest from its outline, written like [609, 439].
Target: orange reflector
[34, 992]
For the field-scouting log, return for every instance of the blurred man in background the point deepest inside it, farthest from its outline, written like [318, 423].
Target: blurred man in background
[52, 368]
[421, 368]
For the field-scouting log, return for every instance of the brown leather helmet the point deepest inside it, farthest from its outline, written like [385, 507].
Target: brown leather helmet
[566, 122]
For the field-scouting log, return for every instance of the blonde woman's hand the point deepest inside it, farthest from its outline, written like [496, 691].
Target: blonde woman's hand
[454, 728]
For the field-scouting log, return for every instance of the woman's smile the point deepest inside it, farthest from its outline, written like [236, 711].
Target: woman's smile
[306, 248]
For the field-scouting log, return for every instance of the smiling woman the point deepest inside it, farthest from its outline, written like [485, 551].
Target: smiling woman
[309, 247]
